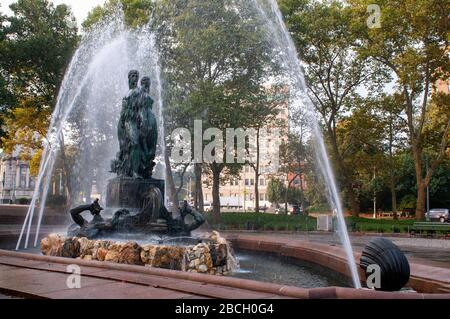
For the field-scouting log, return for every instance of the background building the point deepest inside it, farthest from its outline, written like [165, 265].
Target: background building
[239, 193]
[16, 184]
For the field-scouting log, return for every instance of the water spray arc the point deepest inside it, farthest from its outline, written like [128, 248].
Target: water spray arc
[281, 38]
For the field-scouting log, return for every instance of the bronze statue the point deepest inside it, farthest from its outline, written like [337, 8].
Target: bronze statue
[138, 197]
[148, 130]
[137, 131]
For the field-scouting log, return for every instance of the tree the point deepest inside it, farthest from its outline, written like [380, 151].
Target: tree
[394, 128]
[262, 112]
[38, 41]
[26, 127]
[359, 138]
[214, 61]
[275, 190]
[293, 155]
[326, 42]
[413, 44]
[36, 45]
[136, 12]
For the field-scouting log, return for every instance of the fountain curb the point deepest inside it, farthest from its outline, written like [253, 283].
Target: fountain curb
[421, 279]
[281, 290]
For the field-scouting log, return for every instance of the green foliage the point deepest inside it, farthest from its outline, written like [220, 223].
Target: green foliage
[23, 201]
[215, 59]
[56, 200]
[413, 43]
[358, 224]
[263, 221]
[275, 190]
[36, 44]
[408, 202]
[136, 12]
[39, 40]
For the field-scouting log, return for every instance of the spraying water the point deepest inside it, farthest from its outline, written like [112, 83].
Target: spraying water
[281, 38]
[87, 111]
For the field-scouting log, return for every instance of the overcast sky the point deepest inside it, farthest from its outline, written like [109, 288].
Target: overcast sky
[80, 8]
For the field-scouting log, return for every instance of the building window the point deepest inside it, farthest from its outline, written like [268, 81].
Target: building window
[247, 168]
[261, 196]
[251, 196]
[32, 182]
[23, 176]
[252, 182]
[247, 182]
[261, 182]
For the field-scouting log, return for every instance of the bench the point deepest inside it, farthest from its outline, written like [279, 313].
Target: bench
[430, 228]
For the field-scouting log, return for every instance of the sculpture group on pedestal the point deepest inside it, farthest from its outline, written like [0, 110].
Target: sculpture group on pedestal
[137, 131]
[138, 197]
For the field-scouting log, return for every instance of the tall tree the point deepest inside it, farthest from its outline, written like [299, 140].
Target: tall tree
[263, 108]
[390, 107]
[38, 41]
[36, 44]
[326, 42]
[413, 43]
[212, 53]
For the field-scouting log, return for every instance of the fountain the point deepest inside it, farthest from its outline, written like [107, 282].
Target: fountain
[88, 106]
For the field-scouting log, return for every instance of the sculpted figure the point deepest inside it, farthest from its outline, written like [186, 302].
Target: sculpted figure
[148, 132]
[137, 131]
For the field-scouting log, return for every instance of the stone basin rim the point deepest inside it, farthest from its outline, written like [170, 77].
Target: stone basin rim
[281, 290]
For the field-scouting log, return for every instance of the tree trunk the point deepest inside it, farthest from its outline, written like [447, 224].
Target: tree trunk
[180, 187]
[66, 169]
[391, 168]
[302, 196]
[216, 192]
[394, 198]
[286, 200]
[256, 193]
[170, 183]
[198, 198]
[420, 204]
[352, 198]
[354, 203]
[257, 174]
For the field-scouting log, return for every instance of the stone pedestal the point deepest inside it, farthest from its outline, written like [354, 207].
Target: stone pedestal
[130, 193]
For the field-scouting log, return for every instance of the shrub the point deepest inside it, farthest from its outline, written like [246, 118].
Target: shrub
[23, 201]
[56, 200]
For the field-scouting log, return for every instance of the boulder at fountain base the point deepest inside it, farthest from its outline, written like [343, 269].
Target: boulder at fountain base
[213, 257]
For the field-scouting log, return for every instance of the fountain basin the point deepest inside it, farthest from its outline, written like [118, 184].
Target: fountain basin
[423, 279]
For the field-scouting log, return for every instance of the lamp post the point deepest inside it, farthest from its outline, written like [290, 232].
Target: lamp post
[428, 187]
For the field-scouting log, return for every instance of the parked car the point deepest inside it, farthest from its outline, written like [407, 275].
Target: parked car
[441, 214]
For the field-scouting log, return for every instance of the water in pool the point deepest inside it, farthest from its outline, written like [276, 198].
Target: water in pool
[285, 271]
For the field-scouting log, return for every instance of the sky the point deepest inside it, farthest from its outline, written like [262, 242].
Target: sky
[80, 8]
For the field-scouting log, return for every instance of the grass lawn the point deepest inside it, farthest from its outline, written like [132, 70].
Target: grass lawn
[282, 222]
